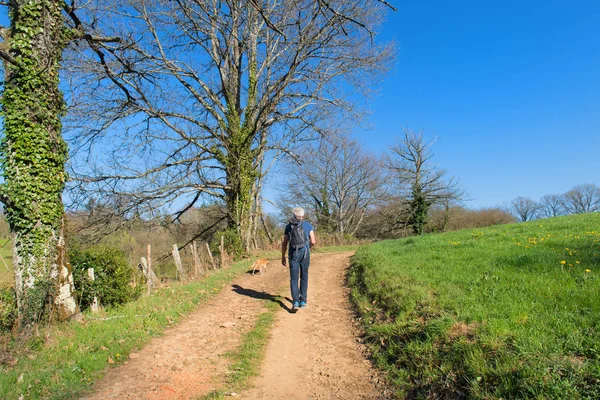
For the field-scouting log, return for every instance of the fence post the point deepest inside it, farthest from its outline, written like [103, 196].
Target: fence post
[212, 260]
[222, 250]
[178, 264]
[94, 306]
[196, 261]
[149, 255]
[151, 278]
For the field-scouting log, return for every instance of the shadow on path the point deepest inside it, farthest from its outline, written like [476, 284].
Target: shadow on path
[261, 296]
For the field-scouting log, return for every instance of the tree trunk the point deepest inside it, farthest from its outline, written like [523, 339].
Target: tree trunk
[33, 156]
[446, 216]
[242, 162]
[419, 209]
[256, 213]
[241, 176]
[266, 228]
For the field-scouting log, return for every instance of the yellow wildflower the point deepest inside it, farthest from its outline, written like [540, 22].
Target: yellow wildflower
[563, 262]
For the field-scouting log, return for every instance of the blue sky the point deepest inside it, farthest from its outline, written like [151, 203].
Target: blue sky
[511, 89]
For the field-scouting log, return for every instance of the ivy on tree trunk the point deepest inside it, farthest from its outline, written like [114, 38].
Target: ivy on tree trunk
[240, 165]
[33, 155]
[418, 212]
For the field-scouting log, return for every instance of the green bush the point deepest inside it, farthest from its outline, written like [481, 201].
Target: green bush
[8, 308]
[231, 240]
[113, 276]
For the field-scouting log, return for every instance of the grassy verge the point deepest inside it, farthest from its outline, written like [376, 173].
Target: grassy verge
[506, 312]
[62, 361]
[249, 355]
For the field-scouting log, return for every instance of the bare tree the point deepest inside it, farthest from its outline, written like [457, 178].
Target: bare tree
[339, 181]
[583, 199]
[214, 92]
[552, 205]
[525, 209]
[419, 181]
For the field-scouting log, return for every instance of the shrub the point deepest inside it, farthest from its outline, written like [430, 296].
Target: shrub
[457, 218]
[8, 308]
[113, 276]
[231, 240]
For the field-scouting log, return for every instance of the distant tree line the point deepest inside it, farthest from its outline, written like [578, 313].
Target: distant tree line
[349, 191]
[580, 199]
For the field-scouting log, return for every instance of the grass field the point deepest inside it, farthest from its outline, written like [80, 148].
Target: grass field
[510, 311]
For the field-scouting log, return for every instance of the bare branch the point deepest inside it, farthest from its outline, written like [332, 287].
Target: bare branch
[213, 93]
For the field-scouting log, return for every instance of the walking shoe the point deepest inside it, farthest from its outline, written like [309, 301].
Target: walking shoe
[302, 304]
[295, 307]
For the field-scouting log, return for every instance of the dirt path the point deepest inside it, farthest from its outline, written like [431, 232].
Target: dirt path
[312, 354]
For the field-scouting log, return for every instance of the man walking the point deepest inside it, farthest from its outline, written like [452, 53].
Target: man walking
[300, 236]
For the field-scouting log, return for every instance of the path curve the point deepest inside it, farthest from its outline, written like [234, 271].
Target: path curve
[313, 354]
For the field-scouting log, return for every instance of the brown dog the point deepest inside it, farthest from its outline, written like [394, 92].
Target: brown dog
[260, 265]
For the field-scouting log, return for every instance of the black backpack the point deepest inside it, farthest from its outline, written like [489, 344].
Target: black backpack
[297, 236]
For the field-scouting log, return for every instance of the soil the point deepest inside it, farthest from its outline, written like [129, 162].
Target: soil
[312, 354]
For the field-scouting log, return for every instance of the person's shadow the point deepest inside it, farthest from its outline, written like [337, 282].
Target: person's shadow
[261, 296]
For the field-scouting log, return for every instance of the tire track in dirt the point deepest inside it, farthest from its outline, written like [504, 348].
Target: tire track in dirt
[312, 354]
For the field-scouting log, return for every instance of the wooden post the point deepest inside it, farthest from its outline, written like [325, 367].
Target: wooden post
[178, 263]
[212, 260]
[95, 307]
[149, 272]
[222, 250]
[148, 275]
[197, 267]
[149, 256]
[151, 278]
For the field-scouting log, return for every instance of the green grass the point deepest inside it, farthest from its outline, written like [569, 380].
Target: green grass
[487, 313]
[249, 355]
[62, 361]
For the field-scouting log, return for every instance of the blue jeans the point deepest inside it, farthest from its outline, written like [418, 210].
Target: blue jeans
[299, 262]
